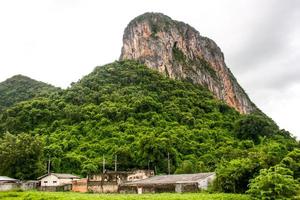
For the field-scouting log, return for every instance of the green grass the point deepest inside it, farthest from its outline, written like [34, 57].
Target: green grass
[33, 195]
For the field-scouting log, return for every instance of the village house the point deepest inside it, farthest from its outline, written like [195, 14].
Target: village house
[169, 183]
[109, 181]
[7, 183]
[57, 182]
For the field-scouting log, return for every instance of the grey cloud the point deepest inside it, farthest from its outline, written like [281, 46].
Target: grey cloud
[270, 37]
[273, 76]
[281, 81]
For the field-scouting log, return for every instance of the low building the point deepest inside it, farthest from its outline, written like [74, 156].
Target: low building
[110, 181]
[7, 183]
[169, 183]
[57, 182]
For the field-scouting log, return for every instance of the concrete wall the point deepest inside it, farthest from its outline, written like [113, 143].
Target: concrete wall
[50, 180]
[80, 185]
[102, 187]
[147, 189]
[29, 185]
[203, 184]
[8, 186]
[56, 188]
[186, 187]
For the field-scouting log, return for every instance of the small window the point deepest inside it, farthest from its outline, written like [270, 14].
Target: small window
[45, 181]
[54, 181]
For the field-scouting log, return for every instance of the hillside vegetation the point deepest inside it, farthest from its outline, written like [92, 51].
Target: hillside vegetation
[126, 110]
[20, 88]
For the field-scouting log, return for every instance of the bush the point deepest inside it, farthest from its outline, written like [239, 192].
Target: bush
[234, 176]
[253, 126]
[292, 162]
[274, 183]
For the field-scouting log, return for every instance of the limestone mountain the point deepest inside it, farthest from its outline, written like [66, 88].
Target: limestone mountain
[180, 52]
[20, 88]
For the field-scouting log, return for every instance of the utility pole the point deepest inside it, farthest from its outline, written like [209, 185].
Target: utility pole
[103, 164]
[169, 163]
[116, 157]
[49, 162]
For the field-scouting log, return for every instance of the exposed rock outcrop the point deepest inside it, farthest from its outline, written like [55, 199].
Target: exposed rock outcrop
[179, 51]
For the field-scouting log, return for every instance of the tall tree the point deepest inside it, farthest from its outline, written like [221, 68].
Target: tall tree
[21, 156]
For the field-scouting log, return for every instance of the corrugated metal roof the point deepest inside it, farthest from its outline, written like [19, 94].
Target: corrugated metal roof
[64, 175]
[60, 176]
[5, 178]
[172, 179]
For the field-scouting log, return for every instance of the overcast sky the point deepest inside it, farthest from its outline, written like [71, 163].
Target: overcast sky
[59, 41]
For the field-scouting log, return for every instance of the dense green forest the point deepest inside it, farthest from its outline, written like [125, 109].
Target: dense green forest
[129, 110]
[20, 88]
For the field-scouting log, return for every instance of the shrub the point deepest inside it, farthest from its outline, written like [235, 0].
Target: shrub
[274, 183]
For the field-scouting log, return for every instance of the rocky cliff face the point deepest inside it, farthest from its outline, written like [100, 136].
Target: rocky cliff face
[180, 52]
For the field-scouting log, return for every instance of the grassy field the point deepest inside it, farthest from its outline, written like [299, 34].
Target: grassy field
[33, 195]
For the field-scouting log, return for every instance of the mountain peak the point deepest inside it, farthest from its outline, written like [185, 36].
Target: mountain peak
[18, 76]
[152, 16]
[178, 50]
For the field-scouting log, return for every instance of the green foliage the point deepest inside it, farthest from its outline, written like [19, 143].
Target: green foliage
[126, 110]
[21, 156]
[253, 126]
[178, 55]
[274, 183]
[292, 162]
[187, 167]
[20, 88]
[234, 175]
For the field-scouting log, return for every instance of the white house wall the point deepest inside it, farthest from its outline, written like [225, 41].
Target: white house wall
[50, 180]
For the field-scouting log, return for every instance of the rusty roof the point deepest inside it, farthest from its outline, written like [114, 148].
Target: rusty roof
[171, 179]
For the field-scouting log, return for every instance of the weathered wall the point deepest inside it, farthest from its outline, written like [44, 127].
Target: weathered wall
[8, 186]
[61, 188]
[186, 187]
[203, 184]
[50, 180]
[29, 185]
[80, 185]
[101, 187]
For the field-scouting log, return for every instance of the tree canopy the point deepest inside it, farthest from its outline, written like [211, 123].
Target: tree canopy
[127, 110]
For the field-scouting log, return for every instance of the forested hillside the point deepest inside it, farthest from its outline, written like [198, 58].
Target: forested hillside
[129, 110]
[20, 88]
